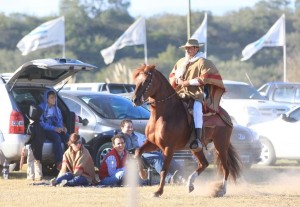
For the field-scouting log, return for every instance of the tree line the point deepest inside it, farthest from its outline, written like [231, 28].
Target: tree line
[92, 25]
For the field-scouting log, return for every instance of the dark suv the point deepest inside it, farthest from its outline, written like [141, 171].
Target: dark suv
[24, 87]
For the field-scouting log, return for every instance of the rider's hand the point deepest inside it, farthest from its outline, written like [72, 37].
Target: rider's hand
[185, 83]
[179, 81]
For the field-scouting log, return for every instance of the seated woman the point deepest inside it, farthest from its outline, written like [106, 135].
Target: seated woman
[77, 165]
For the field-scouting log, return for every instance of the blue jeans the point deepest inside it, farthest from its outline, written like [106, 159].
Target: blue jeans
[57, 139]
[72, 179]
[156, 160]
[116, 179]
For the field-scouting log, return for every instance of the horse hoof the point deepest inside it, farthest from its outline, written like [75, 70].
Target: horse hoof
[156, 195]
[191, 188]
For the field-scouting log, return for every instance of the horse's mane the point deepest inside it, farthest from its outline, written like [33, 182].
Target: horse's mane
[143, 68]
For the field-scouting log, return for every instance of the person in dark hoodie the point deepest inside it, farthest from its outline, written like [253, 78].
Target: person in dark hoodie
[52, 122]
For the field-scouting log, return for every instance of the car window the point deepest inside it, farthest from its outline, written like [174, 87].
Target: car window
[263, 89]
[117, 89]
[115, 107]
[295, 114]
[129, 88]
[234, 91]
[284, 95]
[297, 95]
[77, 108]
[35, 72]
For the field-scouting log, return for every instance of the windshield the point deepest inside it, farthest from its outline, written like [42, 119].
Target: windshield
[234, 91]
[115, 107]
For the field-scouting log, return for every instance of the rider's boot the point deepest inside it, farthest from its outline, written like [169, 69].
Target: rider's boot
[196, 143]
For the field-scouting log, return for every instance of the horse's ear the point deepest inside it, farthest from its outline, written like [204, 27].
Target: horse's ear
[138, 70]
[149, 68]
[152, 67]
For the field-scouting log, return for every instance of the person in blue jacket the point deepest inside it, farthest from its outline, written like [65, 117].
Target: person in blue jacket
[52, 122]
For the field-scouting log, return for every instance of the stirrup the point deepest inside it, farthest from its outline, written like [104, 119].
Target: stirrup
[195, 144]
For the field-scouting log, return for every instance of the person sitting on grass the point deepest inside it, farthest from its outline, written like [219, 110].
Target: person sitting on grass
[112, 169]
[77, 165]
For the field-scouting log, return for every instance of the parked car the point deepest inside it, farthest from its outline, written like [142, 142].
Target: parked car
[286, 93]
[24, 87]
[246, 106]
[115, 88]
[280, 138]
[101, 115]
[245, 141]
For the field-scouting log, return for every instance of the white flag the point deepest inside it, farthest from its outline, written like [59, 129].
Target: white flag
[134, 35]
[201, 33]
[47, 34]
[274, 37]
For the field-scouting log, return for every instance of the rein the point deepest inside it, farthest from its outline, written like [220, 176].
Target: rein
[163, 100]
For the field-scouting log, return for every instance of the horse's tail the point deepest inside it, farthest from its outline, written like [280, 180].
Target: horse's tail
[233, 163]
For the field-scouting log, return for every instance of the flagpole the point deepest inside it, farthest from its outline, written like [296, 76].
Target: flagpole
[189, 20]
[145, 51]
[205, 45]
[284, 52]
[64, 45]
[145, 46]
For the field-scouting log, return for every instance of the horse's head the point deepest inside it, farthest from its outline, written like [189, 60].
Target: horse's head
[144, 86]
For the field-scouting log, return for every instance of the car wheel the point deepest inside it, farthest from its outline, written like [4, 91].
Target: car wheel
[267, 155]
[101, 152]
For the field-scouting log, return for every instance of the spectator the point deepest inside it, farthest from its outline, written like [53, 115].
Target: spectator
[154, 159]
[52, 122]
[112, 169]
[77, 167]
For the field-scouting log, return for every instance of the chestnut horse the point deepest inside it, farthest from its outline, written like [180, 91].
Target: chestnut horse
[169, 129]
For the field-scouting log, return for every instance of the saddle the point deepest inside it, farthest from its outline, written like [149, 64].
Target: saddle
[210, 118]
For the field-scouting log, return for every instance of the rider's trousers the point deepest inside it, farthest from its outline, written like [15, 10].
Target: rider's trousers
[198, 114]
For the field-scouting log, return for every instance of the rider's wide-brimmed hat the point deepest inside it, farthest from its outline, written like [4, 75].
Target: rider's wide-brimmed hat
[192, 43]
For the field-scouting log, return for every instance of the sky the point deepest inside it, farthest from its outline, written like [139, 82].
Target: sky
[146, 8]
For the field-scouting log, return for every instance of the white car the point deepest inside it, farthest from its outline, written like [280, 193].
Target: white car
[280, 137]
[246, 106]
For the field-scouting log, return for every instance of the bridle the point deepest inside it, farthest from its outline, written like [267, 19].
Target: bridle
[147, 88]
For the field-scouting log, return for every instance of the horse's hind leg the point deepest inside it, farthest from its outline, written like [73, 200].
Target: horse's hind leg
[202, 165]
[221, 142]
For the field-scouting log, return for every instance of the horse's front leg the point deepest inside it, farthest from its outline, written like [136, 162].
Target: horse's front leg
[168, 155]
[202, 165]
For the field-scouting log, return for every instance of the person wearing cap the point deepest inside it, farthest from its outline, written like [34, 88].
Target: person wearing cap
[77, 167]
[196, 78]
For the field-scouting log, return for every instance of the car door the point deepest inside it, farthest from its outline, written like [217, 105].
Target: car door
[47, 72]
[292, 133]
[288, 138]
[86, 131]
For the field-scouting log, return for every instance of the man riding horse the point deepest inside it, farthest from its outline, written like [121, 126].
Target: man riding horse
[196, 78]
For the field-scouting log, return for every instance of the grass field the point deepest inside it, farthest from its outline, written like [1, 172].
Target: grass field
[259, 186]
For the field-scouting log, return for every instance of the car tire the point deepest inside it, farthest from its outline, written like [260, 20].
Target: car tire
[101, 152]
[267, 155]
